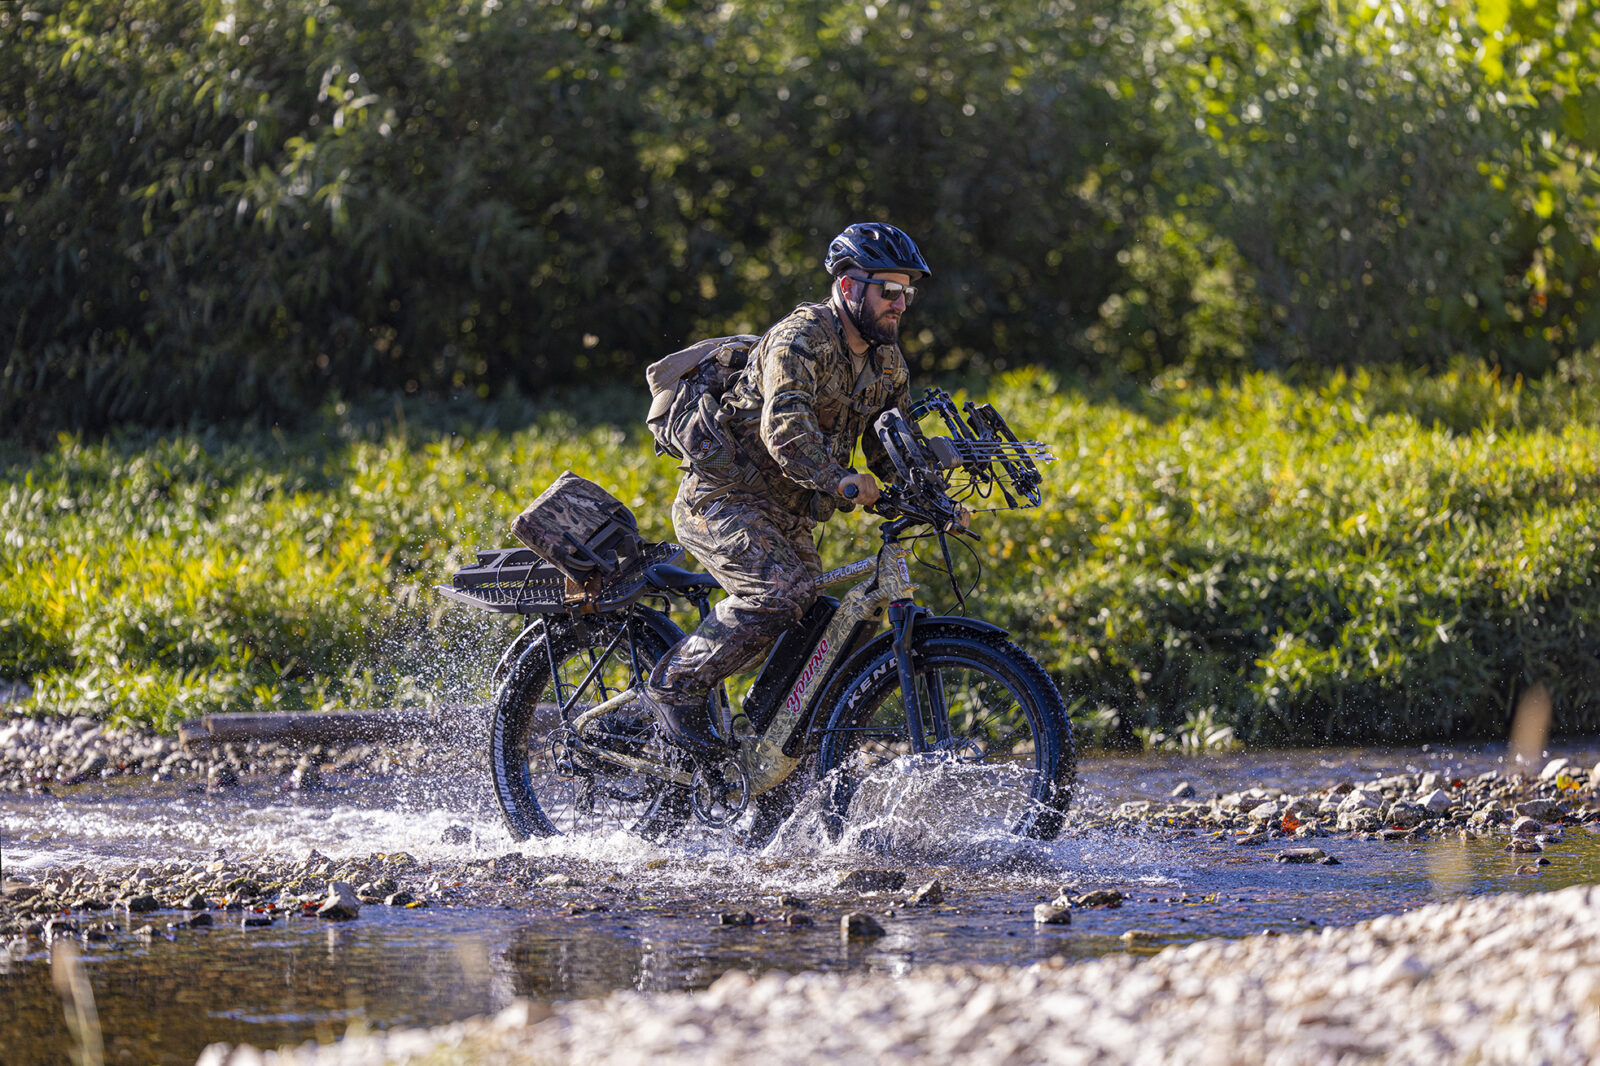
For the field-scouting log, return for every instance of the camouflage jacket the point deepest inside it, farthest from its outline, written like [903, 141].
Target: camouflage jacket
[801, 403]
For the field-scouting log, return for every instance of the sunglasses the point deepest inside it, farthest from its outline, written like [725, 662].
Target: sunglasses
[892, 290]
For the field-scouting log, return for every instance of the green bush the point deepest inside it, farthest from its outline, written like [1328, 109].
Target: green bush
[237, 210]
[1371, 556]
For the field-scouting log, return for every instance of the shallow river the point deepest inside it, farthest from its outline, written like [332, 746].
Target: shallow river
[650, 913]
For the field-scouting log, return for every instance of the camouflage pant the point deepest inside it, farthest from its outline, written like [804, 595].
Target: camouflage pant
[765, 559]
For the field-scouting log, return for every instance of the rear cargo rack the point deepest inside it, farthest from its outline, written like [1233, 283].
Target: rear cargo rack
[516, 581]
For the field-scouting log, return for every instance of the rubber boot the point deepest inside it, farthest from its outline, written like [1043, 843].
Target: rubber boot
[689, 725]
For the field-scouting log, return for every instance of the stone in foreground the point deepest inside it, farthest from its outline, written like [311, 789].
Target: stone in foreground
[858, 925]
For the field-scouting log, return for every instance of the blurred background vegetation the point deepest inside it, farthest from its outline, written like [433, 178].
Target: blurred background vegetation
[300, 301]
[236, 208]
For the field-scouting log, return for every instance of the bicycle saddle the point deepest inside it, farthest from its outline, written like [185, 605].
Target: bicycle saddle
[667, 576]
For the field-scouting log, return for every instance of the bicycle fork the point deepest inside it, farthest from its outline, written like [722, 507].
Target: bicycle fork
[903, 618]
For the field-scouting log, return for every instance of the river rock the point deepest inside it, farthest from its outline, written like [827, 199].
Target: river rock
[1545, 810]
[1405, 815]
[870, 881]
[142, 904]
[1436, 802]
[1430, 781]
[1524, 846]
[1052, 914]
[1359, 800]
[1552, 769]
[341, 904]
[1526, 826]
[1183, 791]
[736, 918]
[928, 895]
[859, 925]
[1301, 855]
[1360, 820]
[1265, 812]
[1100, 897]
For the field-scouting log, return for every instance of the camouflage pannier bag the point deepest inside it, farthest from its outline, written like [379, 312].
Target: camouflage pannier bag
[582, 530]
[686, 400]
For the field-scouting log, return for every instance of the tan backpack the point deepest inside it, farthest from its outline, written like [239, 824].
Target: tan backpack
[686, 397]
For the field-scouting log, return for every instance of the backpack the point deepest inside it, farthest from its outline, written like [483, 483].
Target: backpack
[580, 529]
[686, 399]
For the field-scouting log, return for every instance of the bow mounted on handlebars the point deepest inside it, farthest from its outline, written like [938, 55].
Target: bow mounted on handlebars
[981, 454]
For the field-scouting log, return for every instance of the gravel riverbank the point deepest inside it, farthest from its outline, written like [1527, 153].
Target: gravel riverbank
[1502, 979]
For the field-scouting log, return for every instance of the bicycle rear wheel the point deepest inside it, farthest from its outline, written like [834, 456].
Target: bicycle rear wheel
[996, 757]
[548, 786]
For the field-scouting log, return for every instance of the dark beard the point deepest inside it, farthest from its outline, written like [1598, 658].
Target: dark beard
[876, 330]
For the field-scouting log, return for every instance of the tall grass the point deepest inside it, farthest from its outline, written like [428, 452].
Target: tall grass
[1357, 557]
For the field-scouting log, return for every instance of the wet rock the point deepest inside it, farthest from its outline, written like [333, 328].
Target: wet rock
[1553, 769]
[399, 899]
[560, 881]
[859, 925]
[798, 920]
[142, 904]
[786, 900]
[1265, 812]
[1405, 815]
[1524, 846]
[1525, 826]
[456, 834]
[1545, 810]
[341, 904]
[736, 918]
[199, 921]
[1491, 813]
[1052, 914]
[1360, 820]
[221, 776]
[928, 895]
[307, 775]
[1140, 936]
[196, 902]
[1301, 855]
[870, 881]
[89, 768]
[1429, 782]
[1436, 802]
[1183, 791]
[59, 927]
[1359, 800]
[1101, 897]
[257, 921]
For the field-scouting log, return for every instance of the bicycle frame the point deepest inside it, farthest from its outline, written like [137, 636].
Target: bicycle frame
[770, 757]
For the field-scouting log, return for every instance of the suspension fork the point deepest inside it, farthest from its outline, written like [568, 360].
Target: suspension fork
[903, 618]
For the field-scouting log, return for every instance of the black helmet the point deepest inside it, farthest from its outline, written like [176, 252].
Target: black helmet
[875, 247]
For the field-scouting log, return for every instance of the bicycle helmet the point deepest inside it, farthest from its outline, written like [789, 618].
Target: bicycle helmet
[875, 247]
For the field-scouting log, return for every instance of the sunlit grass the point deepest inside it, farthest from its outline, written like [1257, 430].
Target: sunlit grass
[1359, 557]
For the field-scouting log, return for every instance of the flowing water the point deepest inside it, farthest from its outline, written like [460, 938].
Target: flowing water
[647, 916]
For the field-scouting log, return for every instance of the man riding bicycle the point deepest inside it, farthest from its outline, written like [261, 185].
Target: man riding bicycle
[813, 385]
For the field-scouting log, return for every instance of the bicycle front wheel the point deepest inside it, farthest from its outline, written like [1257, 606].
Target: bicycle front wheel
[995, 756]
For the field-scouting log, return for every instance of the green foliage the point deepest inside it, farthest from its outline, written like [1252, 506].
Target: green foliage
[1366, 556]
[235, 210]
